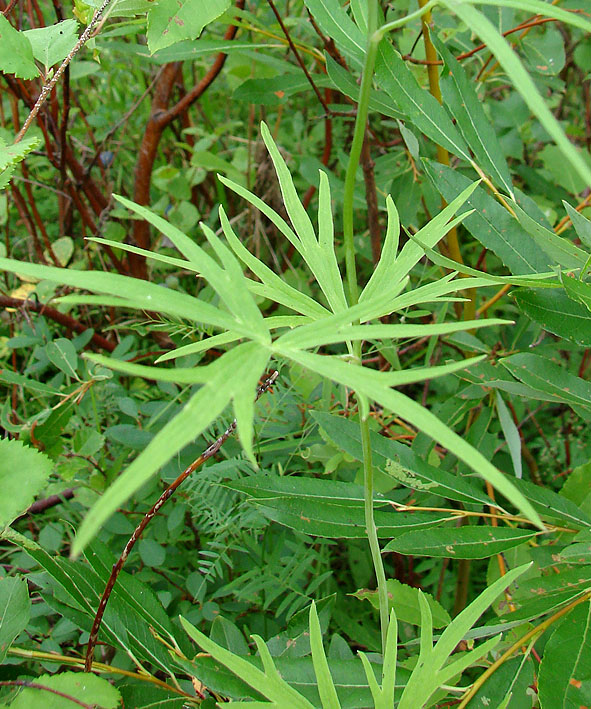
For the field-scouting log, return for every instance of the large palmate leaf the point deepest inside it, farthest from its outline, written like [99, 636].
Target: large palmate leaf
[232, 378]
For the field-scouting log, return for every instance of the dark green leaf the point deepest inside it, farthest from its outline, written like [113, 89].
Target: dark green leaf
[565, 672]
[460, 542]
[491, 223]
[557, 313]
[15, 611]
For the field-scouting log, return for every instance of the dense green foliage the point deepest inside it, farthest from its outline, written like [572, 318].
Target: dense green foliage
[349, 246]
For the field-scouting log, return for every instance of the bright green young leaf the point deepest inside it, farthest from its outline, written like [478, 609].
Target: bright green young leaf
[404, 600]
[229, 282]
[557, 313]
[23, 474]
[460, 542]
[138, 293]
[268, 682]
[326, 688]
[320, 257]
[15, 610]
[411, 253]
[433, 667]
[171, 21]
[52, 44]
[275, 287]
[84, 687]
[16, 53]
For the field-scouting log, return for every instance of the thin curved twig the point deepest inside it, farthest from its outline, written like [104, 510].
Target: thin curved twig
[166, 495]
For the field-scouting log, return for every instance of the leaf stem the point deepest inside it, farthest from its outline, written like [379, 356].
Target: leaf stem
[374, 37]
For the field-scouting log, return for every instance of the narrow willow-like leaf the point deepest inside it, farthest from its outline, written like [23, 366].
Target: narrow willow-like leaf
[336, 23]
[421, 108]
[268, 683]
[557, 313]
[326, 688]
[471, 119]
[344, 81]
[490, 223]
[511, 433]
[522, 81]
[559, 249]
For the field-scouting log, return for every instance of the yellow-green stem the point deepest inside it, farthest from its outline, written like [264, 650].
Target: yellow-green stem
[451, 239]
[374, 37]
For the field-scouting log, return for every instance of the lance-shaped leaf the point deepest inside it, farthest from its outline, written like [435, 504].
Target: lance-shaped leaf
[465, 106]
[422, 109]
[372, 384]
[498, 45]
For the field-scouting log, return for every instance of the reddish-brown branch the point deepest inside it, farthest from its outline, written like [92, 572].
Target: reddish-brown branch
[299, 59]
[371, 197]
[480, 47]
[166, 495]
[68, 321]
[160, 118]
[29, 224]
[36, 685]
